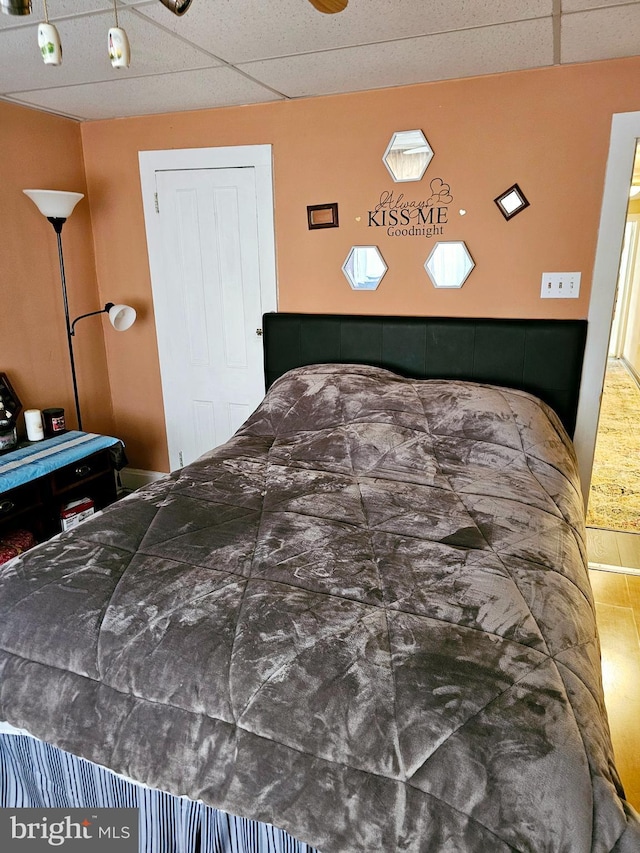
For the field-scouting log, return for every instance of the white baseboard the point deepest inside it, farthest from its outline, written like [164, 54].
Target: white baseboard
[621, 570]
[631, 369]
[135, 478]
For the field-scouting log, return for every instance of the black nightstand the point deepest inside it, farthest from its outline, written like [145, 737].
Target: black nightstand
[38, 479]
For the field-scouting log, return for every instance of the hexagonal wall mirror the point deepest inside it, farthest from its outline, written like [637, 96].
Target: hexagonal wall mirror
[407, 155]
[449, 264]
[364, 267]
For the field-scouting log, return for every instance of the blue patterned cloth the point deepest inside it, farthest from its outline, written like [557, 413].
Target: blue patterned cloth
[39, 458]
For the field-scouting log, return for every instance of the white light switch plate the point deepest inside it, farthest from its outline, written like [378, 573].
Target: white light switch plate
[560, 285]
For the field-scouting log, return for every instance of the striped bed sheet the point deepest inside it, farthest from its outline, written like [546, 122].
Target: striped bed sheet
[34, 774]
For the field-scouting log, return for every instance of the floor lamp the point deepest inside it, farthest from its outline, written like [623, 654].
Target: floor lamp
[57, 207]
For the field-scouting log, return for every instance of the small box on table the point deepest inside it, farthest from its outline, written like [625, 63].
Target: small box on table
[75, 512]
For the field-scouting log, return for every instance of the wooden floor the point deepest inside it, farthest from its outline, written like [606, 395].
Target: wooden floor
[617, 596]
[613, 549]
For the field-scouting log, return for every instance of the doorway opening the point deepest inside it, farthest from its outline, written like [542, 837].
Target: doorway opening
[613, 514]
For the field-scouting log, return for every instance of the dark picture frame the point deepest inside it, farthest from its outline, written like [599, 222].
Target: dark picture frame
[9, 397]
[322, 215]
[511, 201]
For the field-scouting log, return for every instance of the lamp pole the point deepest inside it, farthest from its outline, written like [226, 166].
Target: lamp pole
[57, 206]
[57, 223]
[106, 309]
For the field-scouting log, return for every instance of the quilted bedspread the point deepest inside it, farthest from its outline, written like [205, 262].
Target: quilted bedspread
[365, 619]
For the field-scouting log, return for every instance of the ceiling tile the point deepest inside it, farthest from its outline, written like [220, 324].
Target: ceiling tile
[601, 34]
[583, 5]
[439, 57]
[176, 92]
[57, 9]
[85, 56]
[246, 30]
[291, 50]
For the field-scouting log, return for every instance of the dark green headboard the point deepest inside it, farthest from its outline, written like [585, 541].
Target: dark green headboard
[543, 357]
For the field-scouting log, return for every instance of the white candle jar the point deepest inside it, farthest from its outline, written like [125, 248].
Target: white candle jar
[34, 424]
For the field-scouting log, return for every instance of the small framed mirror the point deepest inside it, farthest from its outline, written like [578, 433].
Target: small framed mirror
[511, 201]
[407, 156]
[449, 264]
[364, 267]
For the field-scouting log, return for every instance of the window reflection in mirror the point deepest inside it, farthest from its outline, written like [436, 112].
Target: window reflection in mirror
[408, 155]
[364, 267]
[449, 264]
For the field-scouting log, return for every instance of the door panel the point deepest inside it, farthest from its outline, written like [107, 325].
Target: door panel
[208, 306]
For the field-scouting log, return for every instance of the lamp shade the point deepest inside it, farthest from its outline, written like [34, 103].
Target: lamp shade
[54, 204]
[122, 317]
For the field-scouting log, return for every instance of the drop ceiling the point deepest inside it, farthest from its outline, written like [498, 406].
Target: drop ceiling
[232, 52]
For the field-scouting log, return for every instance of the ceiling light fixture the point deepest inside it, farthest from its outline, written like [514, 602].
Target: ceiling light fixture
[329, 7]
[118, 42]
[178, 7]
[49, 40]
[16, 7]
[119, 48]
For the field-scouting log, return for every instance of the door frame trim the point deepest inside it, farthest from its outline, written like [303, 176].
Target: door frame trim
[625, 132]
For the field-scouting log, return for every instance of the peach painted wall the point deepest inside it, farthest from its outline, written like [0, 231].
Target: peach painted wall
[546, 129]
[41, 151]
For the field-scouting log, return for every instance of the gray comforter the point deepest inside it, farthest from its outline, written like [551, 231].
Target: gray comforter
[365, 619]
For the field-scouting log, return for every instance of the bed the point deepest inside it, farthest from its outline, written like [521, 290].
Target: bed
[362, 624]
